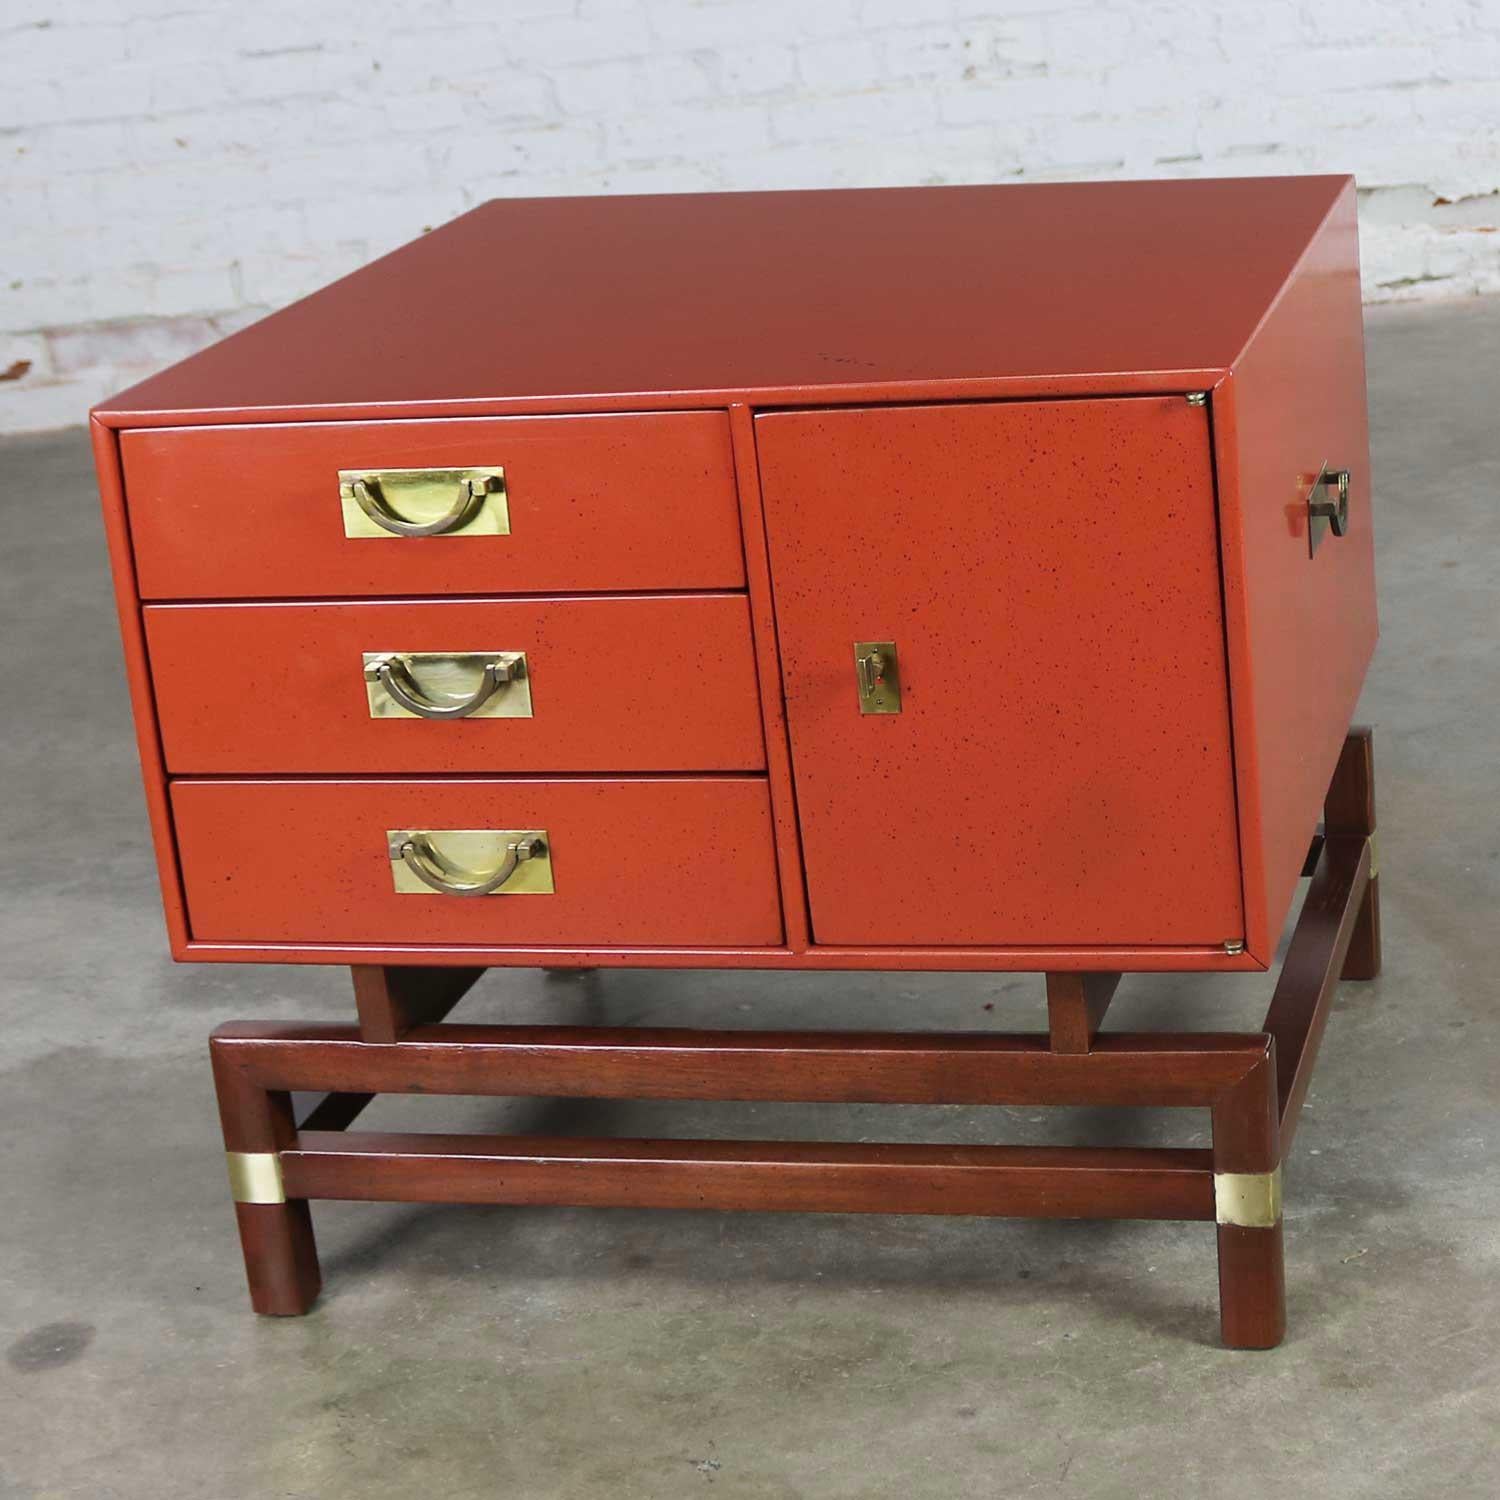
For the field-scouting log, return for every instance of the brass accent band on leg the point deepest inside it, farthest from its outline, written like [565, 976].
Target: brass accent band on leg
[255, 1177]
[1250, 1199]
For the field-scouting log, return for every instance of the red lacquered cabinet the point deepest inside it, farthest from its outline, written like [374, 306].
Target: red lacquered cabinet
[970, 578]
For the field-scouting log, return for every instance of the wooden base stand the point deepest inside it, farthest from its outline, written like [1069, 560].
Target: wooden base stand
[1253, 1085]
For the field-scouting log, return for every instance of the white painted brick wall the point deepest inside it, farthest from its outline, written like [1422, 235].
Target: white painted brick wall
[174, 170]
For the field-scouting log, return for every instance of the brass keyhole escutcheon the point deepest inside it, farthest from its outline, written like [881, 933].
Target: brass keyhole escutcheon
[877, 677]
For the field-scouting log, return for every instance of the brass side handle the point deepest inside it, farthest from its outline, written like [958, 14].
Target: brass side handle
[1327, 506]
[417, 853]
[392, 671]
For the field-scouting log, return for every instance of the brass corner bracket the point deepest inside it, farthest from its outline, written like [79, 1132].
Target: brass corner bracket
[255, 1177]
[1251, 1200]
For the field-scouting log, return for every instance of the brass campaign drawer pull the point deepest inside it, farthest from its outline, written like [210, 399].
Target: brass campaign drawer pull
[389, 676]
[418, 854]
[372, 495]
[1327, 506]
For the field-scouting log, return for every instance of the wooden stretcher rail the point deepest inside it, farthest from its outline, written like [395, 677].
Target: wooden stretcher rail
[805, 1067]
[1059, 1182]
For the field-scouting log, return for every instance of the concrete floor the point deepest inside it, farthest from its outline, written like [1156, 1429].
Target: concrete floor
[556, 1353]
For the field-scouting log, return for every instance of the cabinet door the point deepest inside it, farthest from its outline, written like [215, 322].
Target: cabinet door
[1059, 773]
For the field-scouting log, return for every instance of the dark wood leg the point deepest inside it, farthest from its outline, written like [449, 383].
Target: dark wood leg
[1076, 1004]
[1309, 975]
[393, 998]
[281, 1259]
[1350, 811]
[276, 1233]
[1247, 1205]
[1252, 1287]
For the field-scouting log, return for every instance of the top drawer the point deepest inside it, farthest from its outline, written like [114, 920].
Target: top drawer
[599, 503]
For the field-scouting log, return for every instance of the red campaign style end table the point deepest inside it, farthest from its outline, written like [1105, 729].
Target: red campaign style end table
[946, 579]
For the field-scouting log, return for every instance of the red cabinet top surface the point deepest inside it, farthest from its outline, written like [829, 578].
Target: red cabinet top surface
[558, 302]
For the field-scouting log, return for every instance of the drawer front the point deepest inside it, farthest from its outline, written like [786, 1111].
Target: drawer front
[654, 862]
[614, 684]
[597, 503]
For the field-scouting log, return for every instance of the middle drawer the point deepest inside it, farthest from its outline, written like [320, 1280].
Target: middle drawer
[637, 683]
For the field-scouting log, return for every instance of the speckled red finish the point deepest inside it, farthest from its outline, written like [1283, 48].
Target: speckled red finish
[650, 860]
[643, 501]
[657, 334]
[1060, 771]
[646, 683]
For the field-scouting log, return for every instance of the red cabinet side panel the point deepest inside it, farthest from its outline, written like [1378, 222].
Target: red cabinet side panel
[1301, 629]
[138, 676]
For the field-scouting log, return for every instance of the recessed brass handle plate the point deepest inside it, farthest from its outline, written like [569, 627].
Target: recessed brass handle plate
[424, 502]
[1327, 506]
[447, 684]
[877, 677]
[470, 861]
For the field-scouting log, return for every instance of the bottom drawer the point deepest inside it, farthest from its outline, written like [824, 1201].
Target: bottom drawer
[650, 861]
